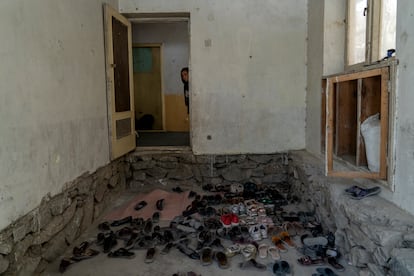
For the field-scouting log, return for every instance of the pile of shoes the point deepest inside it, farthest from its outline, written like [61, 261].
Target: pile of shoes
[228, 220]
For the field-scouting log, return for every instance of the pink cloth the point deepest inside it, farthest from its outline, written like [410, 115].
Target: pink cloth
[174, 205]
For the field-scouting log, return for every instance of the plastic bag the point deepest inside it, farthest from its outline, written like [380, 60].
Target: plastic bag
[371, 132]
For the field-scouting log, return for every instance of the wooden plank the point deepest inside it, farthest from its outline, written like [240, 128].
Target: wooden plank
[355, 174]
[330, 125]
[357, 75]
[323, 115]
[361, 158]
[346, 118]
[384, 122]
[370, 96]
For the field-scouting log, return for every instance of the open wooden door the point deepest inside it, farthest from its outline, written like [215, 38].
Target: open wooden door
[120, 91]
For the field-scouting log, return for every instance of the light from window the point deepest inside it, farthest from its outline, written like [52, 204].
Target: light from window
[388, 26]
[357, 31]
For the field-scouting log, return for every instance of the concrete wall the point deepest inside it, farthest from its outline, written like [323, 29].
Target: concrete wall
[248, 72]
[314, 72]
[174, 37]
[404, 143]
[326, 52]
[333, 62]
[53, 99]
[334, 36]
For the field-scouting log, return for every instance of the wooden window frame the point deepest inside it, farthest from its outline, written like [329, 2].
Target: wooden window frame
[328, 88]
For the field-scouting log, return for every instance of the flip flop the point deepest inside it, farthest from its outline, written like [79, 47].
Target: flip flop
[363, 193]
[140, 205]
[121, 253]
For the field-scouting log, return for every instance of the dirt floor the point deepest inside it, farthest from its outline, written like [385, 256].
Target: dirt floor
[175, 262]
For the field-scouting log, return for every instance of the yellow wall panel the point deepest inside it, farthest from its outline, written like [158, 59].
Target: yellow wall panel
[176, 117]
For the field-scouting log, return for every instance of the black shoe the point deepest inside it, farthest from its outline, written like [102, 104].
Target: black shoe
[187, 251]
[148, 226]
[104, 226]
[177, 190]
[140, 205]
[109, 242]
[156, 217]
[160, 204]
[122, 221]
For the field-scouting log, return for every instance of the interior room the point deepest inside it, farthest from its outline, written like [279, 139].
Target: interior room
[285, 147]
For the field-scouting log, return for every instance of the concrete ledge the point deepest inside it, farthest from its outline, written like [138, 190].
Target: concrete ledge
[367, 231]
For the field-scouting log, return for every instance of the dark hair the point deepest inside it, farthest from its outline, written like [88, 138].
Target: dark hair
[185, 69]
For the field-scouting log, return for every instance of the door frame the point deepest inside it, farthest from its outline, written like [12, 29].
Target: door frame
[158, 45]
[168, 18]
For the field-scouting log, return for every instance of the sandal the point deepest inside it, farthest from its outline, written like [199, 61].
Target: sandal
[206, 256]
[249, 251]
[149, 257]
[263, 250]
[284, 236]
[232, 250]
[334, 263]
[86, 254]
[274, 252]
[252, 264]
[307, 261]
[121, 253]
[222, 260]
[279, 244]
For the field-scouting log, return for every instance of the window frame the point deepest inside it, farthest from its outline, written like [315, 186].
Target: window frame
[373, 35]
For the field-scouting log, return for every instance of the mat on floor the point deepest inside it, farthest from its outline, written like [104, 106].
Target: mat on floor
[174, 205]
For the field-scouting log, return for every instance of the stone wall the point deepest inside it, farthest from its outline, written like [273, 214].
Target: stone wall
[186, 169]
[373, 234]
[39, 237]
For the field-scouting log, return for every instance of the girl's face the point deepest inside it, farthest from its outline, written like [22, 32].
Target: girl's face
[184, 75]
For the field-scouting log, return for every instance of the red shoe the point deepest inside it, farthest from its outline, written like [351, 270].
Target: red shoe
[226, 220]
[234, 219]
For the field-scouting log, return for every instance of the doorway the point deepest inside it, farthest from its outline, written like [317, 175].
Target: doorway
[161, 50]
